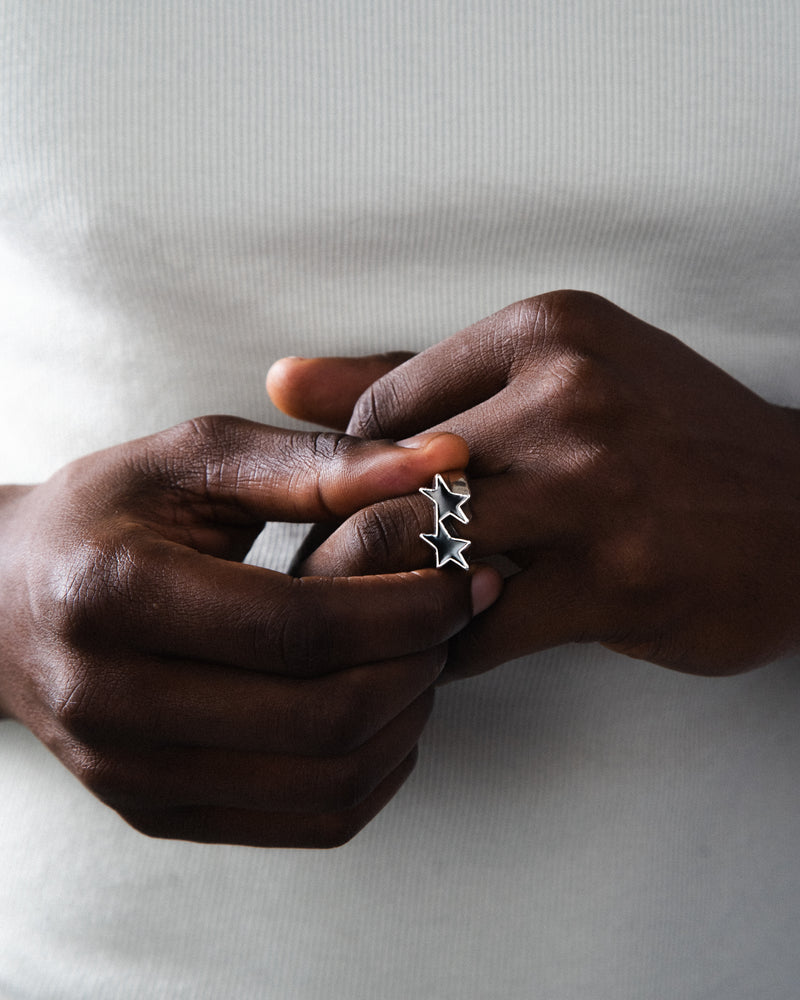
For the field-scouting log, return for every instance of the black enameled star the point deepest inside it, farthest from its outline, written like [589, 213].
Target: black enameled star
[448, 503]
[447, 548]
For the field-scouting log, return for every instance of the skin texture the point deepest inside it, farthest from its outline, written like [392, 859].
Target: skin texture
[202, 698]
[650, 501]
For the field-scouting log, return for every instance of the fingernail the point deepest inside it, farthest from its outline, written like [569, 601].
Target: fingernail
[485, 588]
[418, 441]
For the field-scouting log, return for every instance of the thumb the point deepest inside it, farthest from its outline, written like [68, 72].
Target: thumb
[273, 474]
[324, 390]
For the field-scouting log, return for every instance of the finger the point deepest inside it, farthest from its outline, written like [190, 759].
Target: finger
[226, 466]
[181, 777]
[245, 616]
[549, 604]
[509, 512]
[161, 703]
[324, 390]
[253, 828]
[447, 379]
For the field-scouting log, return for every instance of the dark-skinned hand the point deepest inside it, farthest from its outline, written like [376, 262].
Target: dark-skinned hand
[650, 501]
[202, 698]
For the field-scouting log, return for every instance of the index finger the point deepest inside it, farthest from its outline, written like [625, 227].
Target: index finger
[454, 375]
[324, 390]
[254, 618]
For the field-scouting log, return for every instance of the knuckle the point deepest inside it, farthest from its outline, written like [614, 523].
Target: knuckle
[125, 780]
[82, 593]
[148, 824]
[308, 452]
[105, 776]
[528, 315]
[336, 831]
[326, 446]
[198, 454]
[81, 706]
[376, 535]
[373, 413]
[364, 420]
[87, 594]
[387, 534]
[349, 780]
[316, 458]
[562, 326]
[567, 308]
[205, 443]
[75, 706]
[535, 321]
[207, 431]
[583, 401]
[561, 319]
[156, 823]
[578, 391]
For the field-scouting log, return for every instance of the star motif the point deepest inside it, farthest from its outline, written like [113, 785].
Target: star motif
[447, 548]
[448, 503]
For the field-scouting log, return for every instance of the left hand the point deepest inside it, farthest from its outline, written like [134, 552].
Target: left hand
[651, 501]
[201, 698]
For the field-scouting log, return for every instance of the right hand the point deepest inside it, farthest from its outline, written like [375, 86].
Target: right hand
[649, 501]
[205, 699]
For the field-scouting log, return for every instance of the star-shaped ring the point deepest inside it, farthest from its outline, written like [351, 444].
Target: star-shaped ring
[449, 498]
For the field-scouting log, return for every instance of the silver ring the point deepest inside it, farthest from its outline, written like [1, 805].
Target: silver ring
[450, 496]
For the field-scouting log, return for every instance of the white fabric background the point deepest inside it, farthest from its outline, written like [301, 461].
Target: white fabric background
[190, 190]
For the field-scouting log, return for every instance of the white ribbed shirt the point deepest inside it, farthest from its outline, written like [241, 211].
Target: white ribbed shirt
[189, 190]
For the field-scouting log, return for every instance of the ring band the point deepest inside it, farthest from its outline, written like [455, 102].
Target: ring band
[450, 496]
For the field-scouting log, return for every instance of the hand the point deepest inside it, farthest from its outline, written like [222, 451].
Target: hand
[202, 698]
[651, 501]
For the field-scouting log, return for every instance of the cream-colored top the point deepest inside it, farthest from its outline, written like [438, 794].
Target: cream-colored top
[192, 188]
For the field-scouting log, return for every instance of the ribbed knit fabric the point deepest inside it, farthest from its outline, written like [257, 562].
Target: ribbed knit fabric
[189, 190]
